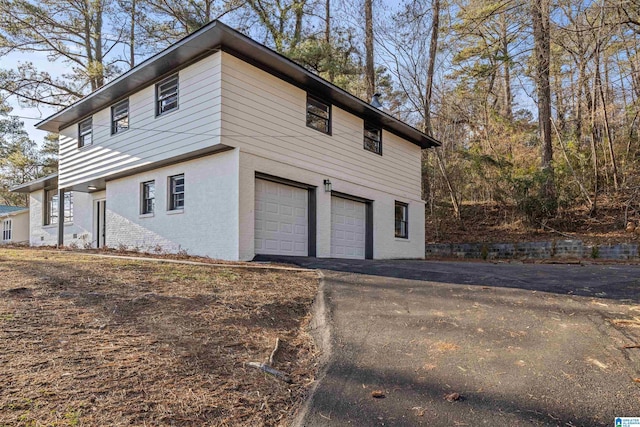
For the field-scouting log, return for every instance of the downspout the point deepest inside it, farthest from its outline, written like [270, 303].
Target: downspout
[60, 218]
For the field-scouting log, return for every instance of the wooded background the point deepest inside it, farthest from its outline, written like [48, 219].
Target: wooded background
[536, 102]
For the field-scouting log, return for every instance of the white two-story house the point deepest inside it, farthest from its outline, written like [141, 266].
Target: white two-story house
[221, 147]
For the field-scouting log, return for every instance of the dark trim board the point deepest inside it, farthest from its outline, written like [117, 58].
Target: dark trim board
[368, 224]
[312, 205]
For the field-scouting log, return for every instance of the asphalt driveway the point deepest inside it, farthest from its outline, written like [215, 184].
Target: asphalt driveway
[520, 344]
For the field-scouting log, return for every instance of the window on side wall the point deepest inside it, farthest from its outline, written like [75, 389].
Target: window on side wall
[372, 138]
[85, 132]
[148, 197]
[176, 192]
[167, 95]
[318, 115]
[402, 220]
[120, 117]
[6, 230]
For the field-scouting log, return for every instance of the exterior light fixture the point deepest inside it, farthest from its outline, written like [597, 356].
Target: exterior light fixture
[91, 187]
[327, 186]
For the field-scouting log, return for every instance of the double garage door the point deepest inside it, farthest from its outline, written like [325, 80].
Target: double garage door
[282, 222]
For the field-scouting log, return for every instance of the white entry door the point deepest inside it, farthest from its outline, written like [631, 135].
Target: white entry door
[281, 219]
[348, 219]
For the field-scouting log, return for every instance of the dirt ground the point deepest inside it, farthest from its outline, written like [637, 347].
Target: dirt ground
[494, 223]
[91, 341]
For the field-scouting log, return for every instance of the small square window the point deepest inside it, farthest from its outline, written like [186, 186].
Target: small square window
[167, 95]
[402, 220]
[176, 192]
[318, 115]
[372, 138]
[148, 197]
[85, 132]
[120, 117]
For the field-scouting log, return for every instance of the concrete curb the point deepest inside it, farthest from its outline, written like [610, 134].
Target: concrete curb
[320, 328]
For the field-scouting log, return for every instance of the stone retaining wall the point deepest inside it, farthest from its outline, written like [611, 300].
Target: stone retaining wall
[537, 250]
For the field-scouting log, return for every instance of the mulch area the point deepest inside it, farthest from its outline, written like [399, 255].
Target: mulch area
[91, 341]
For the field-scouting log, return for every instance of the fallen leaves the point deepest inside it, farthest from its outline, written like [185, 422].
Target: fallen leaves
[453, 397]
[378, 394]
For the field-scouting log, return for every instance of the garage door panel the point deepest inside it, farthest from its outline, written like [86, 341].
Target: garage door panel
[281, 219]
[348, 219]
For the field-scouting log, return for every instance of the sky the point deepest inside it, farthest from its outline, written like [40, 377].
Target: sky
[31, 116]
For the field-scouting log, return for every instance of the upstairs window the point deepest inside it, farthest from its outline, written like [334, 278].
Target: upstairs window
[148, 197]
[167, 95]
[85, 132]
[6, 230]
[120, 117]
[318, 115]
[402, 220]
[176, 192]
[372, 138]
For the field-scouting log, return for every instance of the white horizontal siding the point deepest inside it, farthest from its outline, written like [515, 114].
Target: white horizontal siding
[265, 116]
[193, 126]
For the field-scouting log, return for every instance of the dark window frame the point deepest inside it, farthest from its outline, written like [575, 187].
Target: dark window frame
[148, 202]
[52, 208]
[371, 142]
[313, 101]
[161, 97]
[83, 132]
[118, 116]
[176, 197]
[51, 214]
[68, 207]
[401, 226]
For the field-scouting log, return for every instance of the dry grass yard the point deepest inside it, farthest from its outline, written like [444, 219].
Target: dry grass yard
[91, 341]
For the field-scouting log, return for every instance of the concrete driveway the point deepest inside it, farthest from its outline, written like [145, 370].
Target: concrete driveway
[521, 344]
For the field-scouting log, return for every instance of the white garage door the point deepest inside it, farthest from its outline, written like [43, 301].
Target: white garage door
[347, 228]
[281, 219]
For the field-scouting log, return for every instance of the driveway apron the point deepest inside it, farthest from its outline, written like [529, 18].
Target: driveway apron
[480, 344]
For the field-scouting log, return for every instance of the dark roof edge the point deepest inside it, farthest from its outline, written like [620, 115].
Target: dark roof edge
[36, 184]
[217, 35]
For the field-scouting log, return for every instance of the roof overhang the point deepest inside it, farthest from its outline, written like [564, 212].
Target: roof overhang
[49, 181]
[14, 213]
[207, 40]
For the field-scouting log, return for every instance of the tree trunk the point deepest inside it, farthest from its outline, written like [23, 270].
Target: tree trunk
[507, 107]
[132, 36]
[541, 34]
[433, 50]
[369, 72]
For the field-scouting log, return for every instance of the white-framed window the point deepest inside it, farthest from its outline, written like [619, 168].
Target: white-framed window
[148, 197]
[372, 138]
[176, 192]
[402, 220]
[6, 230]
[51, 211]
[85, 132]
[167, 95]
[120, 117]
[318, 115]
